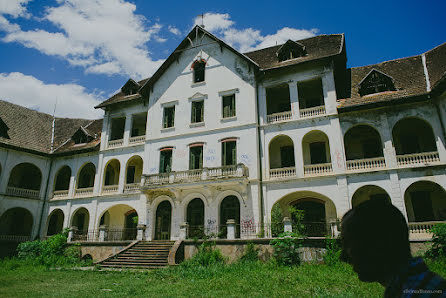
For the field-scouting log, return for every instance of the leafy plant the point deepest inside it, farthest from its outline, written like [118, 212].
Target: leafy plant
[333, 251]
[251, 253]
[438, 249]
[286, 249]
[276, 220]
[207, 255]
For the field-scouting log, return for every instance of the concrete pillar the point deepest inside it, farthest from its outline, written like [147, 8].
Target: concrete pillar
[71, 233]
[294, 99]
[140, 232]
[183, 230]
[329, 90]
[231, 229]
[103, 233]
[298, 157]
[287, 225]
[204, 174]
[127, 129]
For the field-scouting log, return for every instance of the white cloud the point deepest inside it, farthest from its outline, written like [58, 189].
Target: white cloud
[174, 30]
[72, 100]
[248, 39]
[14, 8]
[104, 36]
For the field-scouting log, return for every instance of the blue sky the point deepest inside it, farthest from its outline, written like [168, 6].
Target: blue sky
[79, 52]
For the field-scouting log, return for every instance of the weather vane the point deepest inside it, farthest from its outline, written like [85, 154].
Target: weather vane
[202, 19]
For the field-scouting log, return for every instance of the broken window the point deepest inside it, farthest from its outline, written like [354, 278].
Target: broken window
[199, 68]
[166, 160]
[229, 153]
[196, 157]
[197, 114]
[229, 106]
[117, 129]
[310, 94]
[278, 99]
[139, 124]
[376, 82]
[169, 117]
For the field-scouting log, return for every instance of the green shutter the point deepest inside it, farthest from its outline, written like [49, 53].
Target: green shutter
[162, 157]
[233, 154]
[223, 153]
[200, 166]
[202, 111]
[232, 105]
[191, 159]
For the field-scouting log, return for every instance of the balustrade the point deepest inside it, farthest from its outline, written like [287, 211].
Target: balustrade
[132, 187]
[282, 173]
[60, 194]
[115, 143]
[22, 192]
[418, 158]
[110, 188]
[83, 192]
[318, 169]
[137, 140]
[366, 164]
[277, 117]
[311, 112]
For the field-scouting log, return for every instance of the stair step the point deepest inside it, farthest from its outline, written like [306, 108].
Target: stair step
[130, 262]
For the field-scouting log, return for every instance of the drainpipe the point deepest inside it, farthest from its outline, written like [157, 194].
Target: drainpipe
[45, 196]
[259, 148]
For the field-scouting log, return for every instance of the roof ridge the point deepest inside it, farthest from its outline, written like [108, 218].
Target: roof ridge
[26, 108]
[392, 60]
[442, 44]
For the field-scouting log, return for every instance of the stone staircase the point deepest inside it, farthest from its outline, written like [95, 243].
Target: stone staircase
[141, 255]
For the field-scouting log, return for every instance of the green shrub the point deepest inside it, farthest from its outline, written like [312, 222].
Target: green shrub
[276, 220]
[438, 249]
[333, 252]
[251, 253]
[207, 255]
[286, 249]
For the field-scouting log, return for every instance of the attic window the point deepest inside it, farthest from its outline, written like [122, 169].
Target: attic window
[3, 130]
[130, 88]
[376, 82]
[81, 137]
[199, 67]
[290, 50]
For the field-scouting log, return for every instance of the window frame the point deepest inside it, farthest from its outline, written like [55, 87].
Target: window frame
[165, 122]
[224, 144]
[228, 93]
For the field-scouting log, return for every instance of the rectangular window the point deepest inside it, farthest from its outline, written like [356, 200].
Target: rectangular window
[165, 161]
[310, 93]
[197, 114]
[131, 174]
[117, 129]
[139, 125]
[229, 106]
[196, 157]
[169, 117]
[229, 153]
[318, 153]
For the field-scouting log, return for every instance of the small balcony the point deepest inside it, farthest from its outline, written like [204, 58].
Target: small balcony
[366, 164]
[132, 187]
[278, 117]
[115, 143]
[205, 174]
[137, 140]
[57, 194]
[84, 192]
[318, 169]
[418, 158]
[282, 173]
[110, 189]
[22, 192]
[312, 112]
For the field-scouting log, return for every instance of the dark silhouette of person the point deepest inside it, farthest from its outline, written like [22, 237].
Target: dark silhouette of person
[375, 241]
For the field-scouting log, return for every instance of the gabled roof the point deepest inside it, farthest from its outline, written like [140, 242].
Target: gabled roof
[372, 71]
[130, 84]
[121, 97]
[290, 44]
[436, 64]
[317, 47]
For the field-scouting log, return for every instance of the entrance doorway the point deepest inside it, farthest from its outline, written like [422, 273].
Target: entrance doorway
[163, 218]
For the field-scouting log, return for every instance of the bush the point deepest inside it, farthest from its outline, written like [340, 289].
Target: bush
[438, 249]
[333, 253]
[251, 253]
[207, 255]
[286, 249]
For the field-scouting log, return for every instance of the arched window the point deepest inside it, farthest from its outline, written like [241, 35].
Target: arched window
[281, 152]
[163, 221]
[199, 70]
[413, 135]
[25, 176]
[134, 170]
[63, 179]
[362, 141]
[112, 173]
[369, 192]
[55, 222]
[229, 209]
[316, 148]
[16, 221]
[425, 201]
[195, 218]
[86, 176]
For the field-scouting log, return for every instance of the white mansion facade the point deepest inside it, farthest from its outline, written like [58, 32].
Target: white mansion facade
[217, 135]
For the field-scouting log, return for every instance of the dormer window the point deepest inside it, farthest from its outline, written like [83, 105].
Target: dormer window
[130, 88]
[198, 68]
[81, 136]
[3, 130]
[290, 50]
[376, 82]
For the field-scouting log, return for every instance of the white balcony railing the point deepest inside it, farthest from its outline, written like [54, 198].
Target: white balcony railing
[60, 194]
[115, 143]
[15, 238]
[110, 189]
[277, 117]
[422, 230]
[22, 192]
[366, 164]
[318, 169]
[132, 187]
[311, 112]
[282, 173]
[137, 140]
[84, 192]
[418, 158]
[196, 175]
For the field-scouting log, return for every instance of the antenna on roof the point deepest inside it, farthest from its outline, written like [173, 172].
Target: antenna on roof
[53, 127]
[202, 19]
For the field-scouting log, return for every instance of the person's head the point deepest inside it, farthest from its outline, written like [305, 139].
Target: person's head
[375, 240]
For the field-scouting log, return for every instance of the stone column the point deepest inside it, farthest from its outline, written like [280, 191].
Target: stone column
[183, 230]
[71, 233]
[103, 233]
[127, 129]
[294, 99]
[231, 229]
[140, 231]
[287, 225]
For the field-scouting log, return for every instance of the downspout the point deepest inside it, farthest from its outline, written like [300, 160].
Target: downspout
[259, 148]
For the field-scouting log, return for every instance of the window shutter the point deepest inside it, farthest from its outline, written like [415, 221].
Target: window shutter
[194, 113]
[200, 166]
[223, 153]
[162, 157]
[232, 105]
[191, 159]
[234, 154]
[202, 111]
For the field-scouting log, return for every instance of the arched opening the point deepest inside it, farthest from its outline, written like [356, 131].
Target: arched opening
[86, 176]
[16, 222]
[281, 153]
[55, 222]
[195, 218]
[25, 176]
[312, 214]
[121, 221]
[134, 171]
[80, 220]
[369, 192]
[425, 201]
[316, 153]
[163, 221]
[412, 136]
[362, 142]
[112, 173]
[63, 177]
[229, 209]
